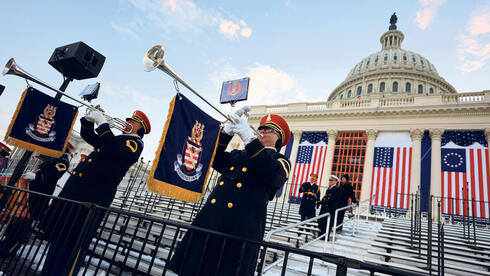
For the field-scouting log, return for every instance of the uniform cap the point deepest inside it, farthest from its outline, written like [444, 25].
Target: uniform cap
[141, 118]
[278, 124]
[4, 147]
[334, 177]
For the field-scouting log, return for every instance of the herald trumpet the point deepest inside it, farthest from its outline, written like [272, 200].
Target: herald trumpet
[11, 68]
[153, 59]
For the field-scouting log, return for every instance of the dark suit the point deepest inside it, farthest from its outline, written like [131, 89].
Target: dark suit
[328, 204]
[47, 176]
[311, 195]
[346, 191]
[94, 180]
[237, 206]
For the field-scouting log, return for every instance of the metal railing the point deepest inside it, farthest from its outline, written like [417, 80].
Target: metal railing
[118, 241]
[335, 226]
[294, 225]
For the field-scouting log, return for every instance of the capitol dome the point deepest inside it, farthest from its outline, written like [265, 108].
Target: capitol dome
[392, 72]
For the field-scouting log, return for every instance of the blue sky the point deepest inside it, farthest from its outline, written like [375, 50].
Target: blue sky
[292, 50]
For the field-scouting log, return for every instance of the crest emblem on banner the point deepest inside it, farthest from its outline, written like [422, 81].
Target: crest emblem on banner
[43, 132]
[187, 165]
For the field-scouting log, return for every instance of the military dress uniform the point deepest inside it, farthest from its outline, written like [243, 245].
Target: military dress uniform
[328, 204]
[311, 195]
[237, 206]
[94, 180]
[47, 176]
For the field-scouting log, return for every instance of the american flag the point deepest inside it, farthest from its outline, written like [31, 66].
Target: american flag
[465, 179]
[390, 183]
[311, 159]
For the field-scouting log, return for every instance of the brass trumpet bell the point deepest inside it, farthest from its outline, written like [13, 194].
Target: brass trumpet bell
[154, 58]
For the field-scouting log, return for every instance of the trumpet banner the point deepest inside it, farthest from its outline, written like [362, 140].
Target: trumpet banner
[41, 123]
[184, 156]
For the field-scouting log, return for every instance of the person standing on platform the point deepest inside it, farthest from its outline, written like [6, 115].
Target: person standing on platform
[346, 198]
[94, 180]
[42, 180]
[328, 204]
[311, 195]
[238, 204]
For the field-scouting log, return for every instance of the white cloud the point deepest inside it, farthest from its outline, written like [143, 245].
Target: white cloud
[474, 46]
[479, 24]
[247, 32]
[185, 16]
[428, 12]
[125, 30]
[229, 29]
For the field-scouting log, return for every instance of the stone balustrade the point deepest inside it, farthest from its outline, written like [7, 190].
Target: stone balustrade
[415, 100]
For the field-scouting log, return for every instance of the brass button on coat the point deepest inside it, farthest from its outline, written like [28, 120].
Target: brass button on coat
[74, 172]
[232, 168]
[230, 205]
[98, 150]
[90, 160]
[239, 185]
[244, 169]
[80, 174]
[213, 201]
[221, 183]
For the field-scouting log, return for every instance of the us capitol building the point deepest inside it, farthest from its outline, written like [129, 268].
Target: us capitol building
[392, 95]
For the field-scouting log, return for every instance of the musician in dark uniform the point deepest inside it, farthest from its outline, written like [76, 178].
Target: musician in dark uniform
[4, 153]
[42, 180]
[238, 204]
[311, 195]
[346, 198]
[94, 180]
[328, 204]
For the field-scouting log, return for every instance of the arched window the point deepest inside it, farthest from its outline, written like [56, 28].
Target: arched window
[395, 57]
[386, 58]
[408, 87]
[431, 90]
[376, 60]
[341, 96]
[359, 91]
[420, 89]
[395, 86]
[413, 59]
[405, 58]
[382, 87]
[349, 94]
[367, 63]
[370, 88]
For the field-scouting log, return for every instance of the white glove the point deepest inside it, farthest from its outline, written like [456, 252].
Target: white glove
[30, 176]
[243, 110]
[242, 128]
[229, 129]
[96, 116]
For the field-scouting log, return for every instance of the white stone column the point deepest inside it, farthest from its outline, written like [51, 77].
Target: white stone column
[292, 159]
[416, 135]
[327, 167]
[435, 165]
[368, 164]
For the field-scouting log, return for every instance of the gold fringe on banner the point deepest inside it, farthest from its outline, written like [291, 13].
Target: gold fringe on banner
[29, 146]
[168, 189]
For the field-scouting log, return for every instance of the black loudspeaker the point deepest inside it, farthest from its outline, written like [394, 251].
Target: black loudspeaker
[77, 61]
